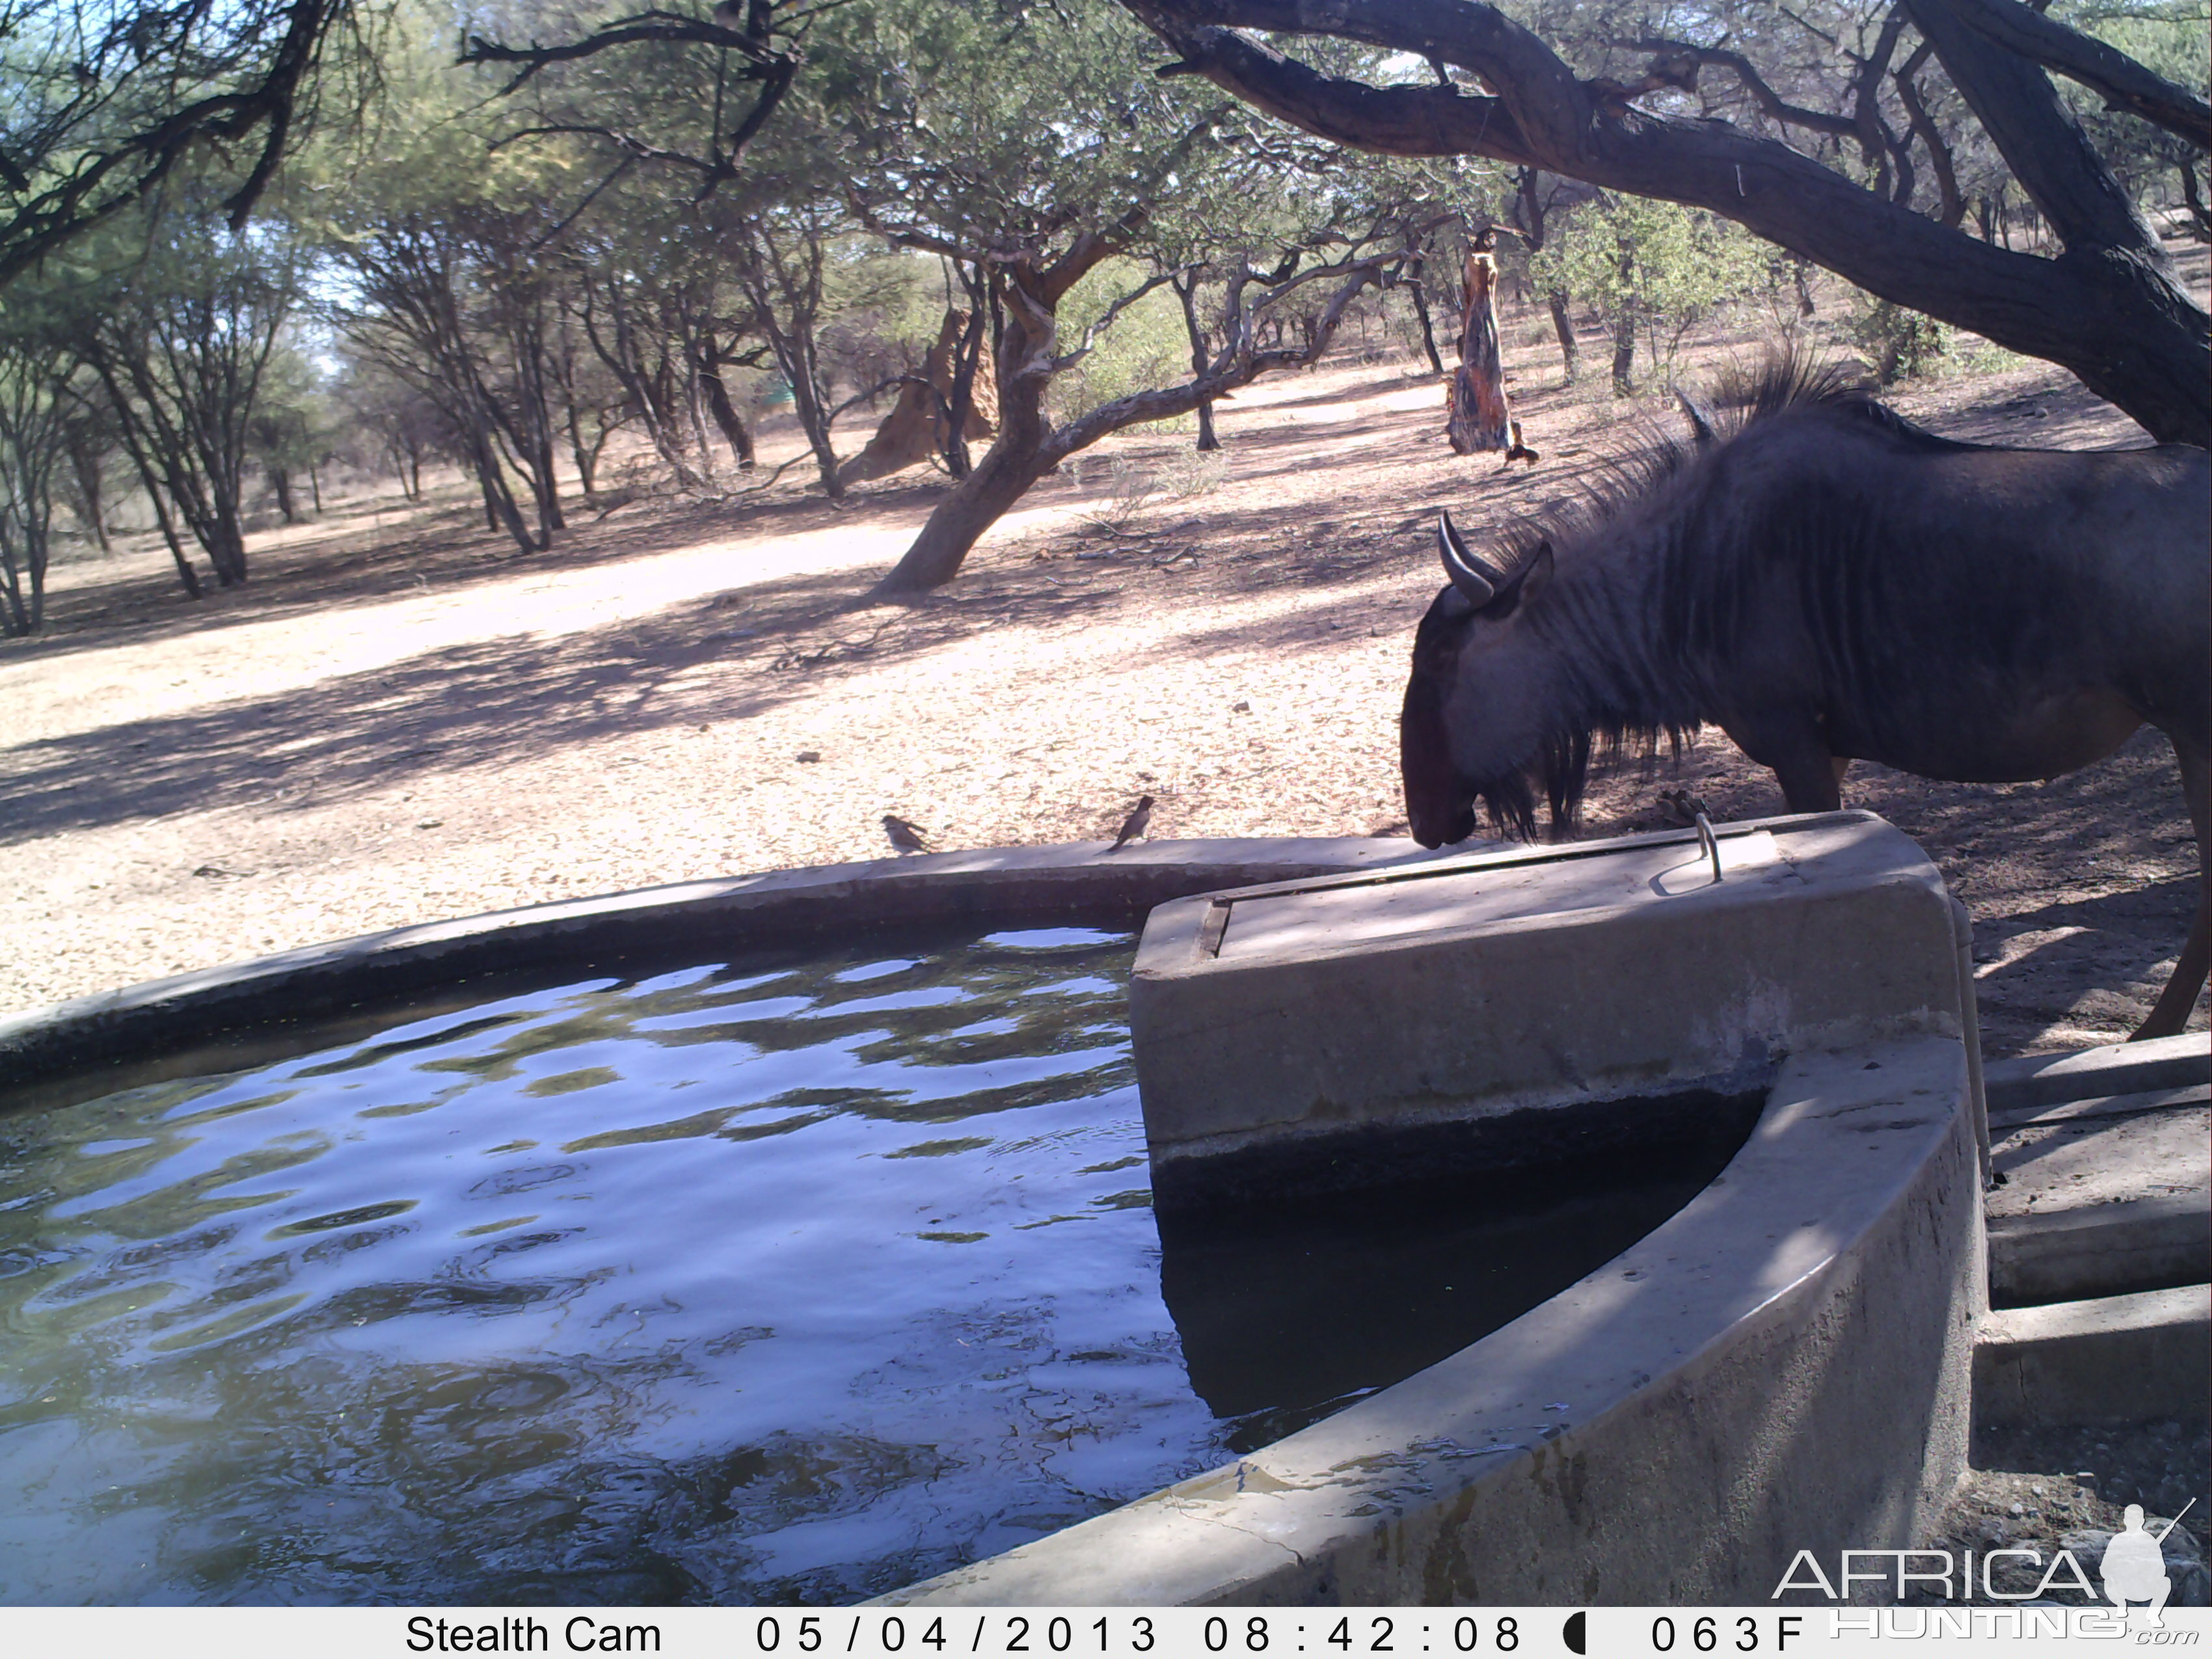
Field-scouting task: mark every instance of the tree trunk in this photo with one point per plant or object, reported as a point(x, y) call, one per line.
point(1563, 325)
point(1008, 468)
point(1623, 352)
point(724, 411)
point(502, 511)
point(84, 462)
point(795, 356)
point(974, 383)
point(587, 460)
point(185, 574)
point(281, 481)
point(1187, 291)
point(1428, 330)
point(998, 481)
point(1011, 464)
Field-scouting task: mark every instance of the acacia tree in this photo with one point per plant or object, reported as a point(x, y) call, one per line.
point(2107, 305)
point(1037, 153)
point(36, 404)
point(780, 253)
point(413, 277)
point(107, 102)
point(180, 340)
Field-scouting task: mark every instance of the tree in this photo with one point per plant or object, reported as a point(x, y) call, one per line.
point(1038, 153)
point(286, 433)
point(2107, 305)
point(36, 402)
point(106, 103)
point(1652, 269)
point(180, 339)
point(414, 278)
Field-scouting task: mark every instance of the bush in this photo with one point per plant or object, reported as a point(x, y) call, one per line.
point(1651, 266)
point(1904, 344)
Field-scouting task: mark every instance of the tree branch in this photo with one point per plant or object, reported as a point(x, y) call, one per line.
point(2036, 134)
point(2116, 319)
point(1735, 63)
point(2106, 70)
point(624, 32)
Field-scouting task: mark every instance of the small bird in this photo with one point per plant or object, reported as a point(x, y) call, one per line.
point(1681, 807)
point(907, 837)
point(1134, 824)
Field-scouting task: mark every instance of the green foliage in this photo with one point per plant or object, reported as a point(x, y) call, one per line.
point(1653, 267)
point(1144, 346)
point(2167, 37)
point(1904, 344)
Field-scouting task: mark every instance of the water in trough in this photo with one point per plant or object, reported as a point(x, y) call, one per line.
point(792, 1279)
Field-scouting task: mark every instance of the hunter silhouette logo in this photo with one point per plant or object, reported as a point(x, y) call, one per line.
point(2133, 1567)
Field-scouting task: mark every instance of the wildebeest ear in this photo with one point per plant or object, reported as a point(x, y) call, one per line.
point(1524, 583)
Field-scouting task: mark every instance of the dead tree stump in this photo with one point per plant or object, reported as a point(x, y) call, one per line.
point(1480, 420)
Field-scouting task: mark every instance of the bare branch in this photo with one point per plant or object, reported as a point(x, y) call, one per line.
point(1683, 53)
point(1091, 334)
point(624, 32)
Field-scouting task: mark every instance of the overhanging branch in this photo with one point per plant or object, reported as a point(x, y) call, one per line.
point(2106, 70)
point(2110, 310)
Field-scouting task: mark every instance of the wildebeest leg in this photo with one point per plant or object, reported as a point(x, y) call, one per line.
point(2179, 999)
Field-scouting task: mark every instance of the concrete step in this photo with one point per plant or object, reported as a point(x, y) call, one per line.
point(2145, 1243)
point(2103, 1191)
point(2116, 1069)
point(2111, 1359)
point(2102, 1106)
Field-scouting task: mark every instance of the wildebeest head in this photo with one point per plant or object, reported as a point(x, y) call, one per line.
point(1473, 725)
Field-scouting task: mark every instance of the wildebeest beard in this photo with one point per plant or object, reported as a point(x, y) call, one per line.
point(1561, 768)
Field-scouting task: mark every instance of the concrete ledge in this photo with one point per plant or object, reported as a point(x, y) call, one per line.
point(219, 1019)
point(1783, 1365)
point(2118, 1068)
point(1520, 1005)
point(2144, 1243)
point(2117, 1359)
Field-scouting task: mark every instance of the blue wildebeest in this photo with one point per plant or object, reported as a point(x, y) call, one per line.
point(1825, 581)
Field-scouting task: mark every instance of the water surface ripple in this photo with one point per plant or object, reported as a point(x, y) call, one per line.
point(786, 1280)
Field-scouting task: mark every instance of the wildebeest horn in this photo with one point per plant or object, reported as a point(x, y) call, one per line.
point(1480, 582)
point(1701, 422)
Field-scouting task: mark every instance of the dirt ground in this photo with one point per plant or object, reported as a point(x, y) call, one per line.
point(400, 719)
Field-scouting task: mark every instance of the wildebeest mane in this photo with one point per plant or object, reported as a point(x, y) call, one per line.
point(1624, 700)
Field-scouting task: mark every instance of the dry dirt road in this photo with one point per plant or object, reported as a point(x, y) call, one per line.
point(398, 720)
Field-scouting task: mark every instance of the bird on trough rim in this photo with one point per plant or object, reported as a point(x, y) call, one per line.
point(1135, 824)
point(1679, 806)
point(907, 837)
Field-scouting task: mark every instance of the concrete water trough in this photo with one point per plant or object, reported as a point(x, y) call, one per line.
point(1781, 1365)
point(1784, 1365)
